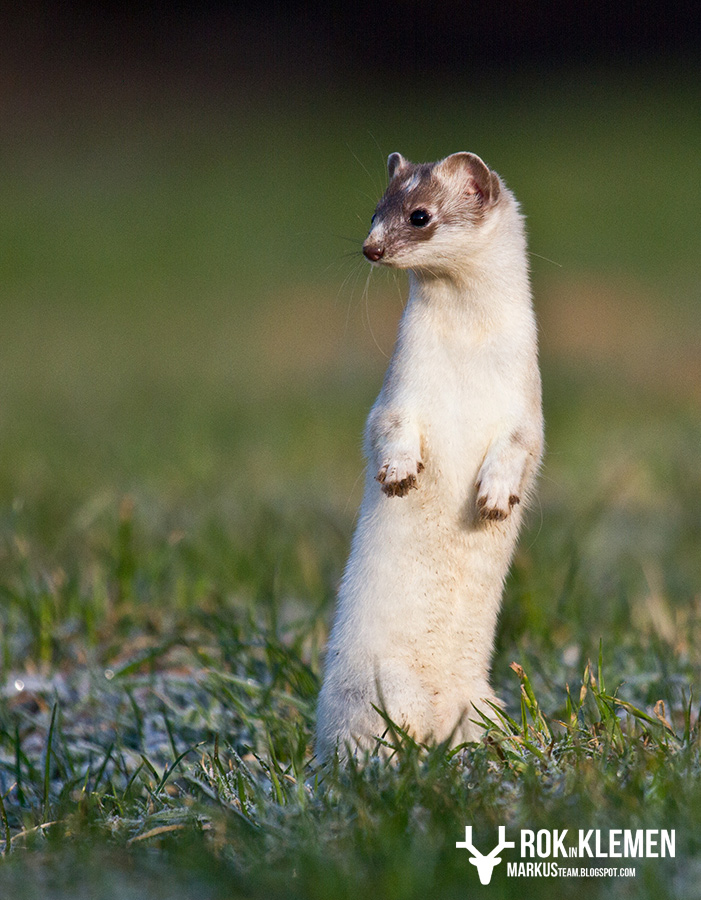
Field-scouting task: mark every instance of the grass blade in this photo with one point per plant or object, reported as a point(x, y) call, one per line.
point(6, 827)
point(47, 762)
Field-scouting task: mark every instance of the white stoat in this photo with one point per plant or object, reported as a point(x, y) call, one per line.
point(453, 444)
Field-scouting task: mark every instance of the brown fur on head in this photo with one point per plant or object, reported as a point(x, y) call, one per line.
point(421, 197)
point(475, 177)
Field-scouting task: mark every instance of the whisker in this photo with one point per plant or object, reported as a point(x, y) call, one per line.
point(357, 271)
point(400, 296)
point(559, 265)
point(382, 153)
point(367, 311)
point(340, 260)
point(354, 270)
point(362, 165)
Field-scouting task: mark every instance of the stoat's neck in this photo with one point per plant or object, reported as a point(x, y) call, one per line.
point(486, 285)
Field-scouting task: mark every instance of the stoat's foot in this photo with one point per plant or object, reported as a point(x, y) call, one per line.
point(399, 475)
point(495, 499)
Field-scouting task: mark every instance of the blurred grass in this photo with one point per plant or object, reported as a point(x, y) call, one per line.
point(190, 345)
point(174, 274)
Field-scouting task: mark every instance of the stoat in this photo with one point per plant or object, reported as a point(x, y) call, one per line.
point(453, 444)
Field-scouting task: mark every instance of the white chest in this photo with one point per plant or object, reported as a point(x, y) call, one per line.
point(462, 390)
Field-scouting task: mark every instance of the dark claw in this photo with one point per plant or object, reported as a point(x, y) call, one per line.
point(400, 488)
point(493, 515)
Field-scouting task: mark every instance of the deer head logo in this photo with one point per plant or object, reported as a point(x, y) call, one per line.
point(485, 863)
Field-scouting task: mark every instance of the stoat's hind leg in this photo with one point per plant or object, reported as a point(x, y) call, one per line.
point(349, 718)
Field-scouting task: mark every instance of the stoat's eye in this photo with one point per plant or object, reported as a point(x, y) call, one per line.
point(419, 218)
point(372, 221)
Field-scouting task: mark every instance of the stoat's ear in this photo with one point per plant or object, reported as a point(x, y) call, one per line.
point(474, 174)
point(395, 162)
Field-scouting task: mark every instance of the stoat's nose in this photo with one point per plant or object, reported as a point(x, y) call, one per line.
point(373, 252)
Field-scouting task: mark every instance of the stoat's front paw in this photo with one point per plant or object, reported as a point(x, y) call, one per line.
point(495, 498)
point(399, 475)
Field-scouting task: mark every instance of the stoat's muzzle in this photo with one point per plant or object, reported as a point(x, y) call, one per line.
point(373, 251)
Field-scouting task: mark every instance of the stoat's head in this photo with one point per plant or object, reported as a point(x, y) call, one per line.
point(432, 214)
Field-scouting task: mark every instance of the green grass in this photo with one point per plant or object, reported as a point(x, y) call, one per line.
point(187, 359)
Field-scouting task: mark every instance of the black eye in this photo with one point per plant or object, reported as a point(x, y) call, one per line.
point(419, 218)
point(372, 221)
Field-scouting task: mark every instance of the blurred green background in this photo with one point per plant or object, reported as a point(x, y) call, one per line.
point(184, 307)
point(190, 339)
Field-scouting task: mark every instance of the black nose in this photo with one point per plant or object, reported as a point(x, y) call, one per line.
point(373, 252)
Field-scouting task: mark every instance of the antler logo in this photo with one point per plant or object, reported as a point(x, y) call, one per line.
point(485, 863)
